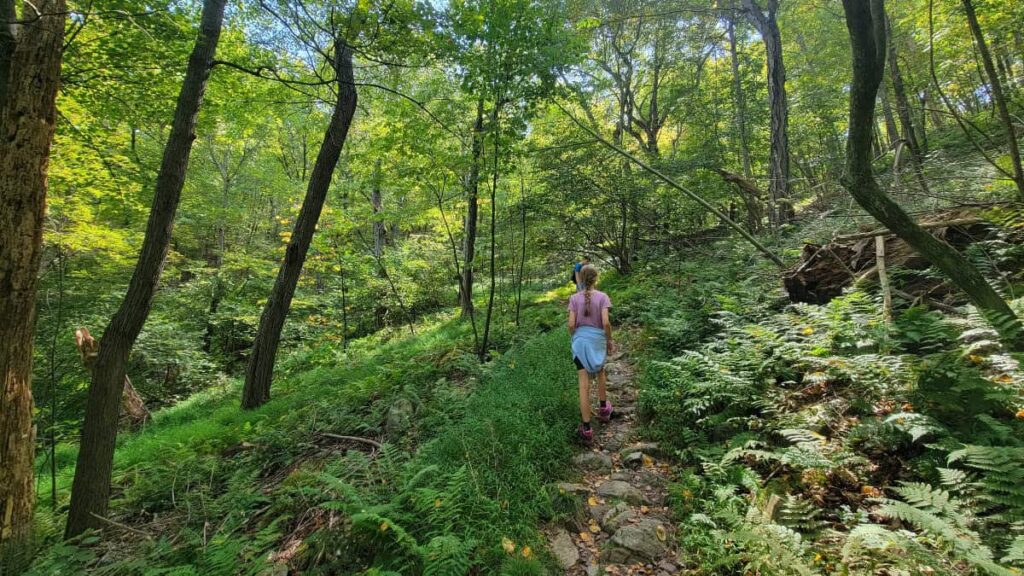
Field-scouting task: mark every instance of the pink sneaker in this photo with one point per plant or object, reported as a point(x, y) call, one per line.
point(604, 413)
point(586, 436)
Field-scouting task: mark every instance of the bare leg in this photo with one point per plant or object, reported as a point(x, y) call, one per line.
point(602, 385)
point(584, 395)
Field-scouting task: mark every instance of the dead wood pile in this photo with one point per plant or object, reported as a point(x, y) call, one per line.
point(824, 271)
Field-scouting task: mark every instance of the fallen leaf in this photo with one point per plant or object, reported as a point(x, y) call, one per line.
point(594, 526)
point(648, 462)
point(592, 501)
point(660, 532)
point(644, 509)
point(527, 552)
point(508, 545)
point(585, 536)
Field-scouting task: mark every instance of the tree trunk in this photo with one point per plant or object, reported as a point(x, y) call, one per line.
point(891, 131)
point(997, 96)
point(494, 209)
point(27, 118)
point(739, 101)
point(259, 372)
point(134, 409)
point(376, 204)
point(903, 111)
point(472, 187)
point(902, 102)
point(90, 490)
point(767, 25)
point(8, 42)
point(866, 23)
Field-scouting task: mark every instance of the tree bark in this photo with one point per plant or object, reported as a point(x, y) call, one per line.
point(8, 41)
point(90, 490)
point(767, 25)
point(472, 186)
point(866, 24)
point(27, 118)
point(998, 96)
point(131, 403)
point(891, 131)
point(496, 132)
point(903, 112)
point(739, 101)
point(259, 372)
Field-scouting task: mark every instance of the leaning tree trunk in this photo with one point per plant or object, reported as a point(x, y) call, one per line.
point(997, 96)
point(27, 118)
point(472, 187)
point(90, 490)
point(260, 370)
point(866, 23)
point(767, 25)
point(903, 112)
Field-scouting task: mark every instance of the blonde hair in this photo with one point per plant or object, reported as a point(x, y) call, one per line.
point(588, 274)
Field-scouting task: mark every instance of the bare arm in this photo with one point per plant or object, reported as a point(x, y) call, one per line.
point(607, 329)
point(572, 322)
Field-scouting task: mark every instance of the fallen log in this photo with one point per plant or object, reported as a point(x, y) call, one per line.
point(132, 407)
point(825, 270)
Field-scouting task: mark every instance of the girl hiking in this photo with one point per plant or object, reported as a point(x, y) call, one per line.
point(591, 334)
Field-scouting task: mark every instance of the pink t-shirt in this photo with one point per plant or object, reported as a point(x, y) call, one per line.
point(598, 302)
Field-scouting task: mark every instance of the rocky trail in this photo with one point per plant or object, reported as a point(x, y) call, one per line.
point(624, 527)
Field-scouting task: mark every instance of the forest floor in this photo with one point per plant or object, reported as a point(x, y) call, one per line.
point(625, 528)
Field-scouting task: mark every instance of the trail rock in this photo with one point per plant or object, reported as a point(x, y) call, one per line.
point(563, 549)
point(617, 441)
point(598, 511)
point(634, 460)
point(570, 488)
point(636, 541)
point(622, 476)
point(618, 516)
point(622, 491)
point(593, 461)
point(399, 417)
point(642, 447)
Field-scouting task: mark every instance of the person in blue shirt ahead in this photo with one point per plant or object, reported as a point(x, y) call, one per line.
point(585, 261)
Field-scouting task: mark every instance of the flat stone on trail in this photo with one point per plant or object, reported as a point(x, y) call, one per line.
point(623, 476)
point(644, 447)
point(618, 516)
point(634, 460)
point(636, 541)
point(570, 488)
point(622, 491)
point(593, 461)
point(563, 549)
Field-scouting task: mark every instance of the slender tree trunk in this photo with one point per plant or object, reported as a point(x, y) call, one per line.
point(903, 112)
point(494, 209)
point(376, 203)
point(767, 25)
point(31, 67)
point(740, 102)
point(866, 23)
point(90, 490)
point(472, 187)
point(891, 131)
point(260, 370)
point(902, 101)
point(522, 257)
point(997, 96)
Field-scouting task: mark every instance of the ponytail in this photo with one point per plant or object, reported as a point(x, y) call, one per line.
point(588, 274)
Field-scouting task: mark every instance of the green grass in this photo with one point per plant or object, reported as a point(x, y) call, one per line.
point(227, 487)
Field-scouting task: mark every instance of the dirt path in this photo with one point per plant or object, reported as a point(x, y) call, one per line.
point(624, 527)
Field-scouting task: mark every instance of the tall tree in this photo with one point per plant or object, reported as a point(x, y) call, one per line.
point(866, 23)
point(998, 96)
point(30, 64)
point(765, 20)
point(909, 135)
point(260, 370)
point(90, 490)
point(471, 187)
